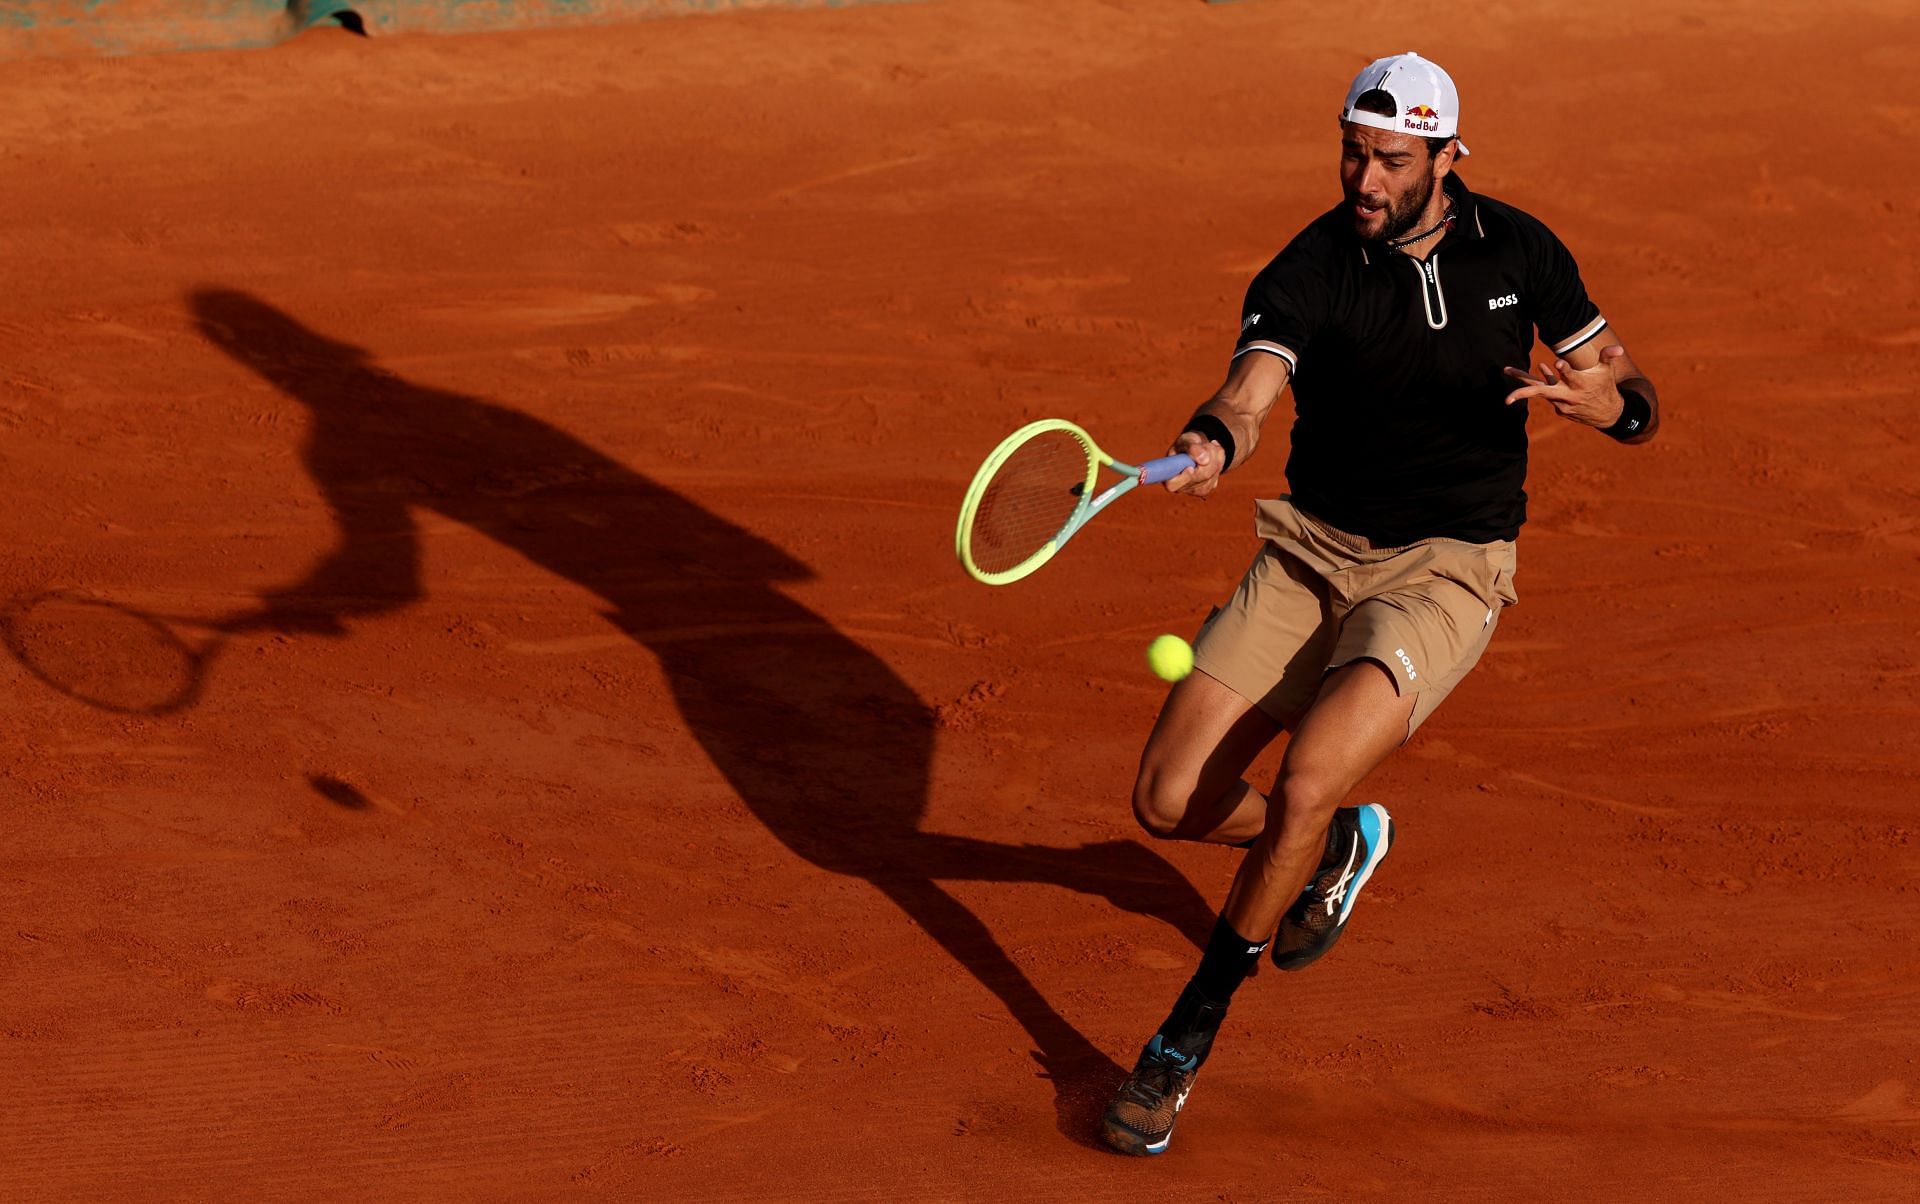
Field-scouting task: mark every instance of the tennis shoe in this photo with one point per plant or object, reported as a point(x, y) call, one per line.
point(1140, 1119)
point(1357, 841)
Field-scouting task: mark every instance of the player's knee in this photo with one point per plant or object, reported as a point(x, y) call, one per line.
point(1307, 798)
point(1159, 801)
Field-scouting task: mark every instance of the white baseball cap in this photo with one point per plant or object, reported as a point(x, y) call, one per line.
point(1429, 104)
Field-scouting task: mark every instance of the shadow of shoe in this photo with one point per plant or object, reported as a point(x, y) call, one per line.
point(1082, 1087)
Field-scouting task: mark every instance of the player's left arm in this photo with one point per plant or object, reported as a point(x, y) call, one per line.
point(1596, 384)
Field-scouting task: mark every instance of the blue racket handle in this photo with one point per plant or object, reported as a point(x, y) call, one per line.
point(1164, 469)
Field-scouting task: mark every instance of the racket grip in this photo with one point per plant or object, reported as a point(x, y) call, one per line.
point(1164, 469)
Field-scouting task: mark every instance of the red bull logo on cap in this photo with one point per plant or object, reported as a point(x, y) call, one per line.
point(1422, 118)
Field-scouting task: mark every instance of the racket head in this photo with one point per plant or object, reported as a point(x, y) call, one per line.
point(1025, 500)
point(101, 653)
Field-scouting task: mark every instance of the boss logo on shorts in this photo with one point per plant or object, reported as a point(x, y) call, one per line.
point(1502, 302)
point(1408, 662)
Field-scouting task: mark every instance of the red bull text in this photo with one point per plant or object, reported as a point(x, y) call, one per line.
point(1422, 118)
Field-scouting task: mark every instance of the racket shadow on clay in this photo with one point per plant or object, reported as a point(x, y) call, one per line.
point(112, 656)
point(827, 746)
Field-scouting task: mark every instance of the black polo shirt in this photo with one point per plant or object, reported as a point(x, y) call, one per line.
point(1401, 431)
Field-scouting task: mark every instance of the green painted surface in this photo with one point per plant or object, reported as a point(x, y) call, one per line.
point(37, 28)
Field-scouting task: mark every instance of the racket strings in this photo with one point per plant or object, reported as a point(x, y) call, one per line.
point(1030, 498)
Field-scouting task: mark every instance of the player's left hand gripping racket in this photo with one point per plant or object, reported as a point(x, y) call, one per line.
point(1035, 492)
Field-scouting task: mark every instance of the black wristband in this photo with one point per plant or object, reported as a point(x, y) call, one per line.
point(1214, 429)
point(1634, 416)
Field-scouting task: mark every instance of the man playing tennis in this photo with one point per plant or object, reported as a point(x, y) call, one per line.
point(1397, 317)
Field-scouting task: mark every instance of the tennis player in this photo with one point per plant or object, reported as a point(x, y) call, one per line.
point(1402, 318)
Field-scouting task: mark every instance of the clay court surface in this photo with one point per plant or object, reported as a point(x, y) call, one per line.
point(629, 797)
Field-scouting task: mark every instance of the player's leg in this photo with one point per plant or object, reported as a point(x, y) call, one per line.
point(1191, 783)
point(1433, 615)
point(1359, 718)
point(1257, 663)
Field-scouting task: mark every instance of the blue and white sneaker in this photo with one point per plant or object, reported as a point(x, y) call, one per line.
point(1140, 1118)
point(1357, 842)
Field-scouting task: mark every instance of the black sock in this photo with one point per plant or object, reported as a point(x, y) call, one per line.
point(1228, 960)
point(1191, 1025)
point(1197, 1014)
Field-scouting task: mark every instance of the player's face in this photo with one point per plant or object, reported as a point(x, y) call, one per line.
point(1388, 178)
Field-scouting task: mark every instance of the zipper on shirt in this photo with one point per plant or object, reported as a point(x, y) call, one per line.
point(1430, 293)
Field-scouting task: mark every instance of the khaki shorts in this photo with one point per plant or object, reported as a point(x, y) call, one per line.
point(1317, 598)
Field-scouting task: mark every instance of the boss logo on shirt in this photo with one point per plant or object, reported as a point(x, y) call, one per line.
point(1500, 302)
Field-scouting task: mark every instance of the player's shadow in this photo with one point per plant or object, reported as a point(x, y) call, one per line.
point(822, 740)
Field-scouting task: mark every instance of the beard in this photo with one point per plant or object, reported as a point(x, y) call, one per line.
point(1404, 213)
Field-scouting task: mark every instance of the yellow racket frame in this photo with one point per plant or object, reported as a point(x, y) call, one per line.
point(1131, 476)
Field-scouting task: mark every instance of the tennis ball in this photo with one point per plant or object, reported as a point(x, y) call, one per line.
point(1170, 657)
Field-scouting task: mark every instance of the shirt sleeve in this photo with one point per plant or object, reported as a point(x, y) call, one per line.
point(1285, 307)
point(1562, 312)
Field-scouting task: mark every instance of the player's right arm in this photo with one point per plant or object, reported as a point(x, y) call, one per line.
point(1254, 382)
point(1286, 305)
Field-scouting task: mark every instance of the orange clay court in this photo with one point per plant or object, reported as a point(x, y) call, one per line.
point(633, 800)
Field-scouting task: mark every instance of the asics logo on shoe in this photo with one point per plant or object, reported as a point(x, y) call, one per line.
point(1339, 891)
point(1180, 1101)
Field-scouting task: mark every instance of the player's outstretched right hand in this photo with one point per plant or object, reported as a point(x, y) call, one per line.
point(1204, 476)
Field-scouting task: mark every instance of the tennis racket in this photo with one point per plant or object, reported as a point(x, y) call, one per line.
point(1035, 492)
